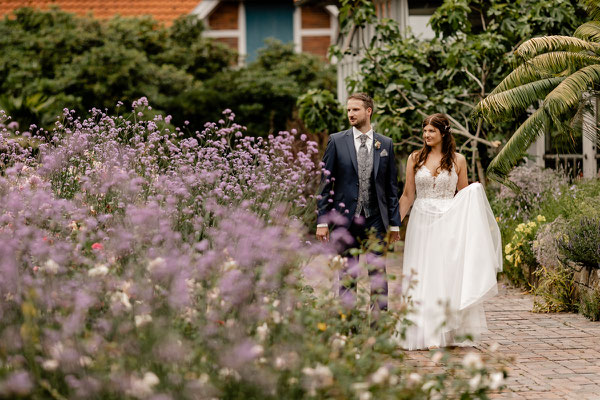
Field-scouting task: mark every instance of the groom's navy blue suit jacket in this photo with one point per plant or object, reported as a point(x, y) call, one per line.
point(341, 161)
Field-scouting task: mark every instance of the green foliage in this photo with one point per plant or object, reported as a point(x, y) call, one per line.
point(563, 206)
point(53, 60)
point(410, 78)
point(552, 73)
point(522, 264)
point(555, 290)
point(263, 95)
point(589, 305)
point(80, 63)
point(581, 242)
point(320, 111)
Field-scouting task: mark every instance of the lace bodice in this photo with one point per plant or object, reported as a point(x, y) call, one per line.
point(442, 186)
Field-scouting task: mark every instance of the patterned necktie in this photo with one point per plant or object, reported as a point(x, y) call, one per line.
point(365, 166)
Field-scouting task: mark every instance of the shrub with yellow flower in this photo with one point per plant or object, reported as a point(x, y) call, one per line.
point(520, 259)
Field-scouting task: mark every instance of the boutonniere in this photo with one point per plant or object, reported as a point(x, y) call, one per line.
point(377, 144)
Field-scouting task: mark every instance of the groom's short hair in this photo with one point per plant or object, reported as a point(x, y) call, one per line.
point(365, 98)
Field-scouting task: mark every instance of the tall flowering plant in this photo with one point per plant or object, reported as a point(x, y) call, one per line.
point(135, 263)
point(519, 252)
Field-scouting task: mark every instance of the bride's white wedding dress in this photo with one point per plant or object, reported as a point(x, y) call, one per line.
point(453, 250)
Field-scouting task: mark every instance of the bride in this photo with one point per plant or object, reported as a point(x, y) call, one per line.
point(452, 247)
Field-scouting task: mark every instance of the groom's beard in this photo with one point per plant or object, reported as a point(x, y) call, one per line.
point(359, 123)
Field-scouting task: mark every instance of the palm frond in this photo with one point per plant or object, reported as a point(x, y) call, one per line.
point(515, 148)
point(568, 94)
point(593, 9)
point(546, 65)
point(544, 44)
point(589, 31)
point(516, 99)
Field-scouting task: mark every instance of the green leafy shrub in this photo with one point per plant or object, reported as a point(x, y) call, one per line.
point(53, 60)
point(545, 245)
point(521, 259)
point(555, 290)
point(321, 112)
point(581, 242)
point(589, 305)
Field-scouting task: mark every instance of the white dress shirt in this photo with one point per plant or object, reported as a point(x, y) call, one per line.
point(369, 144)
point(357, 135)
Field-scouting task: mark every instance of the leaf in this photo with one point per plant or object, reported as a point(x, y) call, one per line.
point(589, 31)
point(544, 44)
point(516, 99)
point(568, 94)
point(545, 66)
point(515, 148)
point(593, 9)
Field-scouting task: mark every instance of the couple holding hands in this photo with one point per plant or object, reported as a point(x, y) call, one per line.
point(452, 247)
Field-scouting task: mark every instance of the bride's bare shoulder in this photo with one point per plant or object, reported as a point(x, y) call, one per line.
point(414, 156)
point(460, 160)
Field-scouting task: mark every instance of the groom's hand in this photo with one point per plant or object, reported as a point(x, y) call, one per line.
point(323, 234)
point(393, 237)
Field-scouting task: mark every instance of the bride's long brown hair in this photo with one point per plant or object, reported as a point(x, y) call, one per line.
point(441, 122)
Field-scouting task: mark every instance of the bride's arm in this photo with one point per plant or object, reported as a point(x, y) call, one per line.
point(463, 179)
point(408, 195)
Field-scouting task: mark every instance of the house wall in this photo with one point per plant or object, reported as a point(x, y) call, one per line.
point(314, 27)
point(224, 16)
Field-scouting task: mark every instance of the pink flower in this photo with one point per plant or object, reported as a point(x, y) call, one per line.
point(97, 246)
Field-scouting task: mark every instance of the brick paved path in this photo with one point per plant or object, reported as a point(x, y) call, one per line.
point(550, 356)
point(556, 356)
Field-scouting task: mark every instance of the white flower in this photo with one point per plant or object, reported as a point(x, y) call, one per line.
point(474, 382)
point(142, 319)
point(98, 270)
point(157, 262)
point(85, 361)
point(143, 388)
point(229, 265)
point(414, 378)
point(496, 380)
point(50, 365)
point(121, 297)
point(280, 363)
point(380, 376)
point(365, 396)
point(257, 350)
point(228, 372)
point(472, 360)
point(338, 342)
point(51, 266)
point(317, 378)
point(437, 357)
point(276, 317)
point(494, 347)
point(204, 378)
point(262, 331)
point(359, 387)
point(56, 350)
point(213, 293)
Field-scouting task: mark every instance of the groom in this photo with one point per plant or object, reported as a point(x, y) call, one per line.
point(362, 187)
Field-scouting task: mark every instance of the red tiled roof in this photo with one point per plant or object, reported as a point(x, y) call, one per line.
point(162, 10)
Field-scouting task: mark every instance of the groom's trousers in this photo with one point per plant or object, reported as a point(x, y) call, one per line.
point(355, 237)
